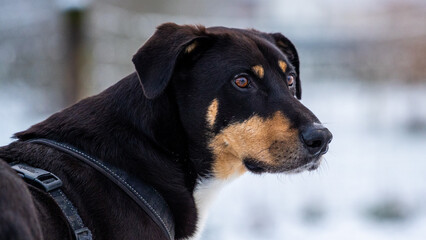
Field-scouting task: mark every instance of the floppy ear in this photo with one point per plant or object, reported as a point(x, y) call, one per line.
point(155, 61)
point(289, 50)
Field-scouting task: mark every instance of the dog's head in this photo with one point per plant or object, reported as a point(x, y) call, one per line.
point(237, 93)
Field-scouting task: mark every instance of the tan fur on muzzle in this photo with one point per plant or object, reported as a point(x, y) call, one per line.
point(266, 140)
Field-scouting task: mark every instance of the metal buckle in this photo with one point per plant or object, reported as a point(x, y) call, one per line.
point(43, 178)
point(83, 234)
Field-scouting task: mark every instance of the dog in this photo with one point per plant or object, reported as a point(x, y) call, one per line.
point(205, 106)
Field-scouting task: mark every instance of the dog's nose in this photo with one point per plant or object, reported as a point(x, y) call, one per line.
point(316, 139)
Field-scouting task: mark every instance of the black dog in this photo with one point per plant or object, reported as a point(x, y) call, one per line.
point(214, 103)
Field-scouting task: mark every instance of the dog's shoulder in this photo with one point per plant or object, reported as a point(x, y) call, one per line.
point(27, 212)
point(18, 218)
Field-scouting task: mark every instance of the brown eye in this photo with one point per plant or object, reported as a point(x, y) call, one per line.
point(242, 82)
point(290, 80)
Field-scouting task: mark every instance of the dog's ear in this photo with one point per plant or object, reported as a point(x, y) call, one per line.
point(155, 61)
point(287, 47)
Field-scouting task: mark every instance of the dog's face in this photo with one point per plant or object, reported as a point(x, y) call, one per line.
point(238, 96)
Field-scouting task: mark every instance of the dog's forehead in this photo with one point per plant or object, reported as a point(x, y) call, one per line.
point(254, 47)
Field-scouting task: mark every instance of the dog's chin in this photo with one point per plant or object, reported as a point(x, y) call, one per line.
point(259, 167)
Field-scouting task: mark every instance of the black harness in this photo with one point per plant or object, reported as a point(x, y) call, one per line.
point(143, 194)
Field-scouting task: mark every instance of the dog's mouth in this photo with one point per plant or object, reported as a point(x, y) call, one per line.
point(258, 167)
point(313, 164)
point(254, 166)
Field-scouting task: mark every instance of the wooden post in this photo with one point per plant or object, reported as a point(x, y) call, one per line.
point(74, 54)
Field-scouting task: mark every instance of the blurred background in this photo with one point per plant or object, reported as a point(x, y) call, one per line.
point(363, 70)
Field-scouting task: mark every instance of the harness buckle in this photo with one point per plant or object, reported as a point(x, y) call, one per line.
point(47, 180)
point(83, 234)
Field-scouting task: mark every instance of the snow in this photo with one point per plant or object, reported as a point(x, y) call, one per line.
point(20, 107)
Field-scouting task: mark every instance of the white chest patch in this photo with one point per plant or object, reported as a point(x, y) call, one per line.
point(205, 193)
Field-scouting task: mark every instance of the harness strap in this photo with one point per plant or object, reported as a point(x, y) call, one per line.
point(143, 194)
point(50, 183)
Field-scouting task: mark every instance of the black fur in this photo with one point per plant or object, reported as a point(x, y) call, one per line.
point(158, 134)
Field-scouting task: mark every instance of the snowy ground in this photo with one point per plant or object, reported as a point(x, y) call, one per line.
point(372, 185)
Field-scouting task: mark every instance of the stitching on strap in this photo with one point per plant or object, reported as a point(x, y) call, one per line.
point(79, 221)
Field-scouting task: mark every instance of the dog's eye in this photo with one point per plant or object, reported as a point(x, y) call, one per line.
point(242, 82)
point(290, 80)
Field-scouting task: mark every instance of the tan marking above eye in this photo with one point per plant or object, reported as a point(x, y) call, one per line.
point(191, 47)
point(250, 139)
point(282, 65)
point(259, 71)
point(212, 112)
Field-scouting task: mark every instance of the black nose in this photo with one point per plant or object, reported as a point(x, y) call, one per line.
point(316, 139)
